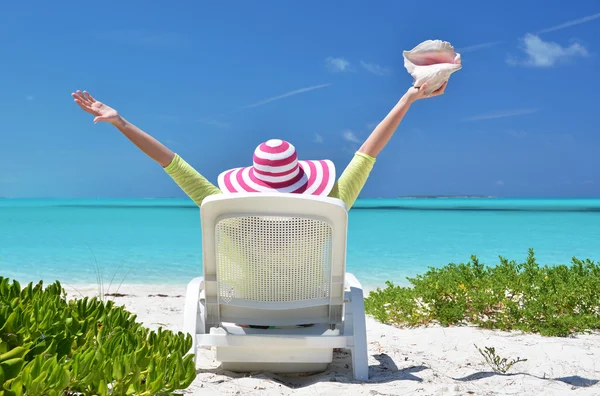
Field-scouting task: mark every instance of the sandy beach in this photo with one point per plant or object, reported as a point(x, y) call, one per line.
point(420, 361)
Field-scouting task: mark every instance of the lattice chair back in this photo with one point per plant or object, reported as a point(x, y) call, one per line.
point(274, 259)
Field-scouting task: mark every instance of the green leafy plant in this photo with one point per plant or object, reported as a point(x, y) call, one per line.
point(550, 300)
point(51, 346)
point(498, 364)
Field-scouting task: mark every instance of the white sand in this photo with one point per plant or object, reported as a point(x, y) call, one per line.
point(421, 361)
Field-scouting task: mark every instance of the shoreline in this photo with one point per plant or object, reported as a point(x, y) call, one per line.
point(431, 360)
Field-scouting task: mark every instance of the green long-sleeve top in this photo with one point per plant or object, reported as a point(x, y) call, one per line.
point(347, 188)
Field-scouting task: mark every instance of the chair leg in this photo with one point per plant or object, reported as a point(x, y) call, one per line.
point(360, 356)
point(193, 323)
point(194, 348)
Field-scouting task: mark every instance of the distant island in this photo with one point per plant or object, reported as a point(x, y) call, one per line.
point(443, 196)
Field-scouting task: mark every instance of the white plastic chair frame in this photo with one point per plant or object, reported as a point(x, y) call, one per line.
point(272, 259)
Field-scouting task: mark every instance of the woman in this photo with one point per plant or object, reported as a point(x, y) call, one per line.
point(275, 164)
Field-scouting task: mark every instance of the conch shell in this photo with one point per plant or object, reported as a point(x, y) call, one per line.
point(431, 62)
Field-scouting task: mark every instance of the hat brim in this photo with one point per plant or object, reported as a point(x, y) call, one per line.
point(317, 178)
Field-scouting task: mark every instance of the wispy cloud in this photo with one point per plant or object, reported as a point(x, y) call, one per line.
point(540, 53)
point(285, 95)
point(318, 138)
point(501, 114)
point(350, 136)
point(563, 25)
point(478, 47)
point(567, 24)
point(29, 97)
point(337, 65)
point(140, 37)
point(213, 120)
point(499, 182)
point(588, 182)
point(376, 69)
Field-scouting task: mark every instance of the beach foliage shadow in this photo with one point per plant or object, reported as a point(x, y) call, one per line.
point(577, 381)
point(386, 363)
point(574, 380)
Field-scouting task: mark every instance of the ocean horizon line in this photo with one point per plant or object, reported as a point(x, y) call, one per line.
point(429, 203)
point(359, 199)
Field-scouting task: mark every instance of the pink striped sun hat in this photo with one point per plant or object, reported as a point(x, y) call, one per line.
point(276, 169)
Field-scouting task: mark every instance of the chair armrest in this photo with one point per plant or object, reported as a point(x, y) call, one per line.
point(192, 300)
point(351, 282)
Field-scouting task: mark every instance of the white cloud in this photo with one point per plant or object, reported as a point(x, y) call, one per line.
point(336, 65)
point(285, 95)
point(588, 182)
point(350, 136)
point(499, 182)
point(571, 23)
point(318, 138)
point(29, 97)
point(376, 69)
point(540, 53)
point(563, 25)
point(501, 114)
point(478, 47)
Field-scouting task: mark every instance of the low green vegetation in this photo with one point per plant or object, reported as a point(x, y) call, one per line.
point(51, 346)
point(550, 300)
point(498, 364)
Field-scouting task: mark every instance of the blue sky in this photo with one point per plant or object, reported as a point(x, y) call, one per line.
point(214, 80)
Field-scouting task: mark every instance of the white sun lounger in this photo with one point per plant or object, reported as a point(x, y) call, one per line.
point(273, 259)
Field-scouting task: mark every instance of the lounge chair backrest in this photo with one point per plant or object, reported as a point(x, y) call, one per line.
point(273, 259)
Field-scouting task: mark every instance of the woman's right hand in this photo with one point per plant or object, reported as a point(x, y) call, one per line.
point(415, 93)
point(99, 110)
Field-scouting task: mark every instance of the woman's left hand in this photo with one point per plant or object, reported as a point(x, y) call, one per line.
point(415, 93)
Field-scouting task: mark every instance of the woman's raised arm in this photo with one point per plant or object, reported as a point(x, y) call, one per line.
point(357, 172)
point(103, 113)
point(196, 186)
point(386, 128)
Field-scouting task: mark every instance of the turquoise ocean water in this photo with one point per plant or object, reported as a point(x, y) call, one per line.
point(159, 240)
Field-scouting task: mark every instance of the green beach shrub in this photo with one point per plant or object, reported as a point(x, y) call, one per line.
point(550, 300)
point(498, 364)
point(51, 346)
